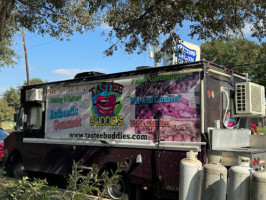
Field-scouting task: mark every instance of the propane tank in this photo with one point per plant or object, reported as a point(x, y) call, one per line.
point(190, 177)
point(214, 182)
point(258, 185)
point(239, 180)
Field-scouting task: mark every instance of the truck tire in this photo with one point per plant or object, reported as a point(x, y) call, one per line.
point(18, 170)
point(14, 166)
point(120, 190)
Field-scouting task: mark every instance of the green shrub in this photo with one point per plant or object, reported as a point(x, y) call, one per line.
point(30, 190)
point(24, 189)
point(93, 182)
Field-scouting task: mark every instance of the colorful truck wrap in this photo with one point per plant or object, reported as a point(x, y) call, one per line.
point(127, 109)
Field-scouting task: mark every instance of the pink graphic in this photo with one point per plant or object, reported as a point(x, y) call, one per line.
point(231, 123)
point(106, 105)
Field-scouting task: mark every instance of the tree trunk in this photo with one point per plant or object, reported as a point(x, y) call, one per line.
point(6, 7)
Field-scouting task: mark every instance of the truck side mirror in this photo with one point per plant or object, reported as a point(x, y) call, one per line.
point(24, 118)
point(16, 128)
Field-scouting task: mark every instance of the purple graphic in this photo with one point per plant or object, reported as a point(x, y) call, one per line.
point(183, 115)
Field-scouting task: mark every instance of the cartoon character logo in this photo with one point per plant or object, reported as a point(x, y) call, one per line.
point(106, 99)
point(106, 105)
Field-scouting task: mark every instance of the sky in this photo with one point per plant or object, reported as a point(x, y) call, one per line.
point(54, 60)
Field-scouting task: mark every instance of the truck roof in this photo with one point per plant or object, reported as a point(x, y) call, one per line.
point(141, 71)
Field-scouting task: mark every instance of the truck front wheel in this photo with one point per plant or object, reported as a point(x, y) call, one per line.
point(117, 190)
point(18, 170)
point(120, 189)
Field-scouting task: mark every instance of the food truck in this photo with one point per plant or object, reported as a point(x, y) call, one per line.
point(146, 119)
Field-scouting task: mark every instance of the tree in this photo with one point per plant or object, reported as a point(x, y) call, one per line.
point(136, 23)
point(239, 55)
point(58, 18)
point(12, 95)
point(260, 67)
point(35, 81)
point(7, 54)
point(6, 112)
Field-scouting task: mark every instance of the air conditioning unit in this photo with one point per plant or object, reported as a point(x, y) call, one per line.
point(34, 95)
point(249, 99)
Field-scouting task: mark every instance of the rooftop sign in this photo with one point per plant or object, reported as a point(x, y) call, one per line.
point(185, 52)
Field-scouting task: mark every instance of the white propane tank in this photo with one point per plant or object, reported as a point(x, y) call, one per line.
point(258, 185)
point(214, 182)
point(239, 180)
point(190, 177)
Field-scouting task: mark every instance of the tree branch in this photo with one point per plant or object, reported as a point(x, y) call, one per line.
point(36, 6)
point(149, 9)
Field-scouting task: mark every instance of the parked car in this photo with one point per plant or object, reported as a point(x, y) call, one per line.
point(3, 135)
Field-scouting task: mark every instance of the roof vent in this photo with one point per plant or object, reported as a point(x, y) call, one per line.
point(143, 67)
point(87, 74)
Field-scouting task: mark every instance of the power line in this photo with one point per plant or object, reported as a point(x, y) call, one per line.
point(34, 36)
point(44, 43)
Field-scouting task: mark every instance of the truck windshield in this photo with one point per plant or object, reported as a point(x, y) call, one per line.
point(20, 119)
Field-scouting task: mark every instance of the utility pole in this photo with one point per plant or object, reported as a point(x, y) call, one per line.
point(26, 57)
